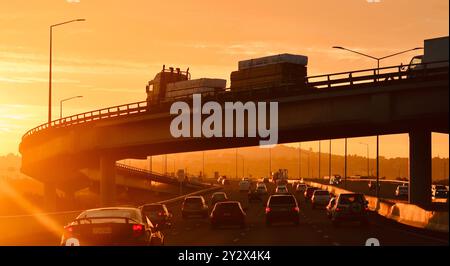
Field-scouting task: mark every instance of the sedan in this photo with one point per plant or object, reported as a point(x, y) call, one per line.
point(112, 226)
point(227, 213)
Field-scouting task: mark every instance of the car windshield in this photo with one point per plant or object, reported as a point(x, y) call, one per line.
point(351, 198)
point(282, 200)
point(111, 215)
point(227, 207)
point(440, 187)
point(405, 188)
point(321, 193)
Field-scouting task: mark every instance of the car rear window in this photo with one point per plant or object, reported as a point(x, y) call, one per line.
point(321, 193)
point(193, 201)
point(282, 200)
point(108, 213)
point(224, 207)
point(351, 198)
point(219, 196)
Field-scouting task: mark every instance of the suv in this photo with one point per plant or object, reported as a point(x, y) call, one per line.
point(309, 192)
point(194, 206)
point(281, 208)
point(348, 207)
point(228, 213)
point(320, 198)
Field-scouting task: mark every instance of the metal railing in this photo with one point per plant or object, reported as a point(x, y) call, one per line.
point(319, 82)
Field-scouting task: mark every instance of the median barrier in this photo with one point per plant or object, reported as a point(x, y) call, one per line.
point(404, 213)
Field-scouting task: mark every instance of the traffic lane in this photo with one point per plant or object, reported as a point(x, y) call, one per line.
point(387, 231)
point(197, 231)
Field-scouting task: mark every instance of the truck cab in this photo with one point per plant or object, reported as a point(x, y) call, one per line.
point(156, 88)
point(435, 57)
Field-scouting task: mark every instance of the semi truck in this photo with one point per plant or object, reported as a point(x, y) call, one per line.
point(172, 84)
point(435, 50)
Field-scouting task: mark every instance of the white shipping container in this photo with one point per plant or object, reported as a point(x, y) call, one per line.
point(273, 59)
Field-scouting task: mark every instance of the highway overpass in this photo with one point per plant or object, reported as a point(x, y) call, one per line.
point(349, 104)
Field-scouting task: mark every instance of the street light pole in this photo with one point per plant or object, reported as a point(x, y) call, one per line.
point(345, 164)
point(319, 159)
point(64, 100)
point(299, 160)
point(367, 146)
point(50, 67)
point(329, 162)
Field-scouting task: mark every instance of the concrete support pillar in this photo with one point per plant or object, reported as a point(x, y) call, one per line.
point(50, 196)
point(420, 168)
point(107, 181)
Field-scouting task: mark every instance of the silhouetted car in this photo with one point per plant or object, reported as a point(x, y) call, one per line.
point(320, 198)
point(281, 189)
point(282, 208)
point(301, 188)
point(309, 192)
point(254, 195)
point(227, 213)
point(218, 197)
point(261, 188)
point(111, 226)
point(158, 214)
point(348, 207)
point(194, 206)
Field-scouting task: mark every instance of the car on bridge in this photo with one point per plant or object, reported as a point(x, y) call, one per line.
point(282, 208)
point(218, 197)
point(348, 207)
point(158, 214)
point(121, 226)
point(194, 206)
point(228, 213)
point(320, 198)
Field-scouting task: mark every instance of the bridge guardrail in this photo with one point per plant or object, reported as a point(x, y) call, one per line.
point(315, 82)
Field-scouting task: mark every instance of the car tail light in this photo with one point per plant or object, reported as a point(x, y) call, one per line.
point(267, 210)
point(338, 209)
point(69, 231)
point(296, 209)
point(138, 229)
point(160, 214)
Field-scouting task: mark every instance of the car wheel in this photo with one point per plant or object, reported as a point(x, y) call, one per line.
point(268, 223)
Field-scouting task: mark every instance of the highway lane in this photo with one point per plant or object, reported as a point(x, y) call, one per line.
point(315, 229)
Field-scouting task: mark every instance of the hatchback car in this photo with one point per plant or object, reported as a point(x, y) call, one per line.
point(282, 208)
point(227, 213)
point(194, 206)
point(320, 198)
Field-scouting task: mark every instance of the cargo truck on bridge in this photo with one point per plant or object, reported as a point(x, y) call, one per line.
point(283, 70)
point(435, 50)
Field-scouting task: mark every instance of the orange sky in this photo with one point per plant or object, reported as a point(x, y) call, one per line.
point(109, 58)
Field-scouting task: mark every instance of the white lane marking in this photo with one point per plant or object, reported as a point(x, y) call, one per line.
point(243, 234)
point(319, 231)
point(235, 240)
point(336, 244)
point(325, 236)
